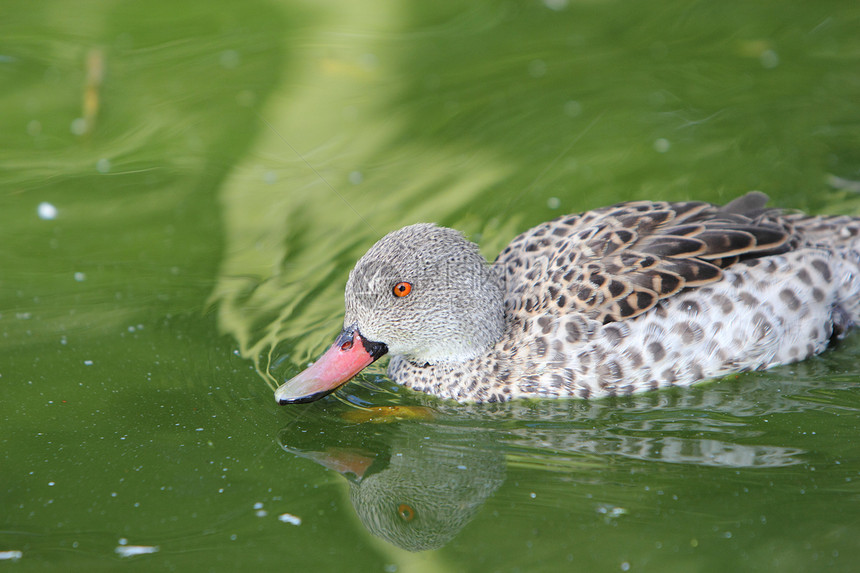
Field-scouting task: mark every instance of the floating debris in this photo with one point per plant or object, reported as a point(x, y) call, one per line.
point(92, 91)
point(133, 550)
point(610, 512)
point(290, 518)
point(46, 211)
point(10, 555)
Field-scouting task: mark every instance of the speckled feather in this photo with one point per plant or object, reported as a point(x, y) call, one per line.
point(627, 298)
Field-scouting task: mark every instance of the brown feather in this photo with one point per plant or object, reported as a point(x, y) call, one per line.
point(620, 261)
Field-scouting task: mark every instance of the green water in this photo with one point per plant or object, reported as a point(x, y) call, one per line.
point(177, 231)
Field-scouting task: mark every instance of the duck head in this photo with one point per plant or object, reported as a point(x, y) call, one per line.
point(424, 292)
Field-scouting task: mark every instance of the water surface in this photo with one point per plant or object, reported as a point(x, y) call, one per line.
point(184, 190)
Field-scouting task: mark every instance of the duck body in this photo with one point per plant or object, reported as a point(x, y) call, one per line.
point(637, 296)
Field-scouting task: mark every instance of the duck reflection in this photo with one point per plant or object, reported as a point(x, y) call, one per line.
point(416, 486)
point(419, 474)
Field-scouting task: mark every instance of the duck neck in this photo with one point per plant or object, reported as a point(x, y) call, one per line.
point(479, 325)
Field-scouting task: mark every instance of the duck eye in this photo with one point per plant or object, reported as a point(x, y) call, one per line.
point(402, 289)
point(405, 512)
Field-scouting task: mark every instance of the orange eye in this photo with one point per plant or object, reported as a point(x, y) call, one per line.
point(406, 512)
point(402, 289)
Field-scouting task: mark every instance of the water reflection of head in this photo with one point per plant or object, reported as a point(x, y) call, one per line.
point(416, 488)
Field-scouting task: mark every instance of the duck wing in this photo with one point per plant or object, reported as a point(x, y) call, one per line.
point(617, 262)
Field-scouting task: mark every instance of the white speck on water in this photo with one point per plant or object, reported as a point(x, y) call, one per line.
point(537, 68)
point(625, 566)
point(258, 505)
point(532, 495)
point(290, 518)
point(261, 513)
point(46, 211)
point(572, 108)
point(132, 550)
point(88, 362)
point(34, 128)
point(769, 59)
point(229, 59)
point(51, 483)
point(553, 202)
point(390, 568)
point(122, 541)
point(78, 126)
point(80, 277)
point(555, 4)
point(355, 177)
point(610, 511)
point(103, 165)
point(13, 555)
point(662, 145)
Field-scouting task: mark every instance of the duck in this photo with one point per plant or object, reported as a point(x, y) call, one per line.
point(636, 296)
